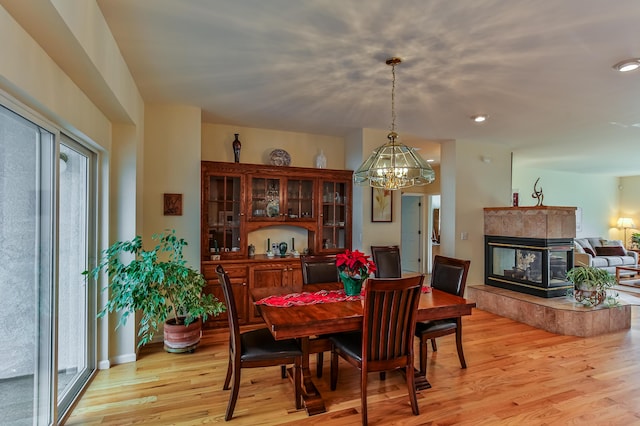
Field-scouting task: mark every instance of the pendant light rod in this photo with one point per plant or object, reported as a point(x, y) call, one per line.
point(393, 62)
point(394, 165)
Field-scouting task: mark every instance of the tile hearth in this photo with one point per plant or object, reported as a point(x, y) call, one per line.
point(560, 315)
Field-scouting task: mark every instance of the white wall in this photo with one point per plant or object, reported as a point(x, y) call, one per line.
point(597, 196)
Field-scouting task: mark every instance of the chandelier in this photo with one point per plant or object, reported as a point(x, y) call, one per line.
point(394, 165)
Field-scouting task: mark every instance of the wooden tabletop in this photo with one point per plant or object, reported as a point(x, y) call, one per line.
point(322, 318)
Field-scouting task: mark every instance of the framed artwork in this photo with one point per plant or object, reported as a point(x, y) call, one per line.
point(173, 204)
point(381, 205)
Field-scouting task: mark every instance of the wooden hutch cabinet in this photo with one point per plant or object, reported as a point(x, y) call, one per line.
point(238, 199)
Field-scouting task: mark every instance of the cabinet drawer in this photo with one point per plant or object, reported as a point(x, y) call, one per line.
point(209, 271)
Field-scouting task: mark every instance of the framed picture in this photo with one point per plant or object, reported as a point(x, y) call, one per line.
point(173, 204)
point(381, 205)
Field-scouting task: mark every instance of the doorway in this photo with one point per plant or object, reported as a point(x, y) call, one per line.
point(411, 234)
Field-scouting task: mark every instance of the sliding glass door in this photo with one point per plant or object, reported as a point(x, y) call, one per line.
point(75, 311)
point(46, 238)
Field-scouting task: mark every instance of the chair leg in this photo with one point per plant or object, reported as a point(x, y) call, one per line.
point(411, 388)
point(383, 376)
point(423, 356)
point(235, 387)
point(463, 363)
point(434, 346)
point(283, 371)
point(228, 378)
point(334, 370)
point(363, 396)
point(297, 378)
point(319, 364)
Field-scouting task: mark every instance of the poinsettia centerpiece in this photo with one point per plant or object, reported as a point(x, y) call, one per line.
point(355, 264)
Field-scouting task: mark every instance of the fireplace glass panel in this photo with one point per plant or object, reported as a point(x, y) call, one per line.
point(534, 266)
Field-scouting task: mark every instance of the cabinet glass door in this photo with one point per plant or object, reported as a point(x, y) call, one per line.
point(224, 215)
point(334, 215)
point(265, 199)
point(300, 199)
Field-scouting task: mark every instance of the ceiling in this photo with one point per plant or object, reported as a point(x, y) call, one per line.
point(542, 70)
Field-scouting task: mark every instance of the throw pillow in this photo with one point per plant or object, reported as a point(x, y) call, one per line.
point(590, 251)
point(611, 243)
point(611, 251)
point(584, 244)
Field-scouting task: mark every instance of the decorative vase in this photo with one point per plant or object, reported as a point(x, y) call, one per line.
point(283, 249)
point(236, 149)
point(321, 160)
point(352, 286)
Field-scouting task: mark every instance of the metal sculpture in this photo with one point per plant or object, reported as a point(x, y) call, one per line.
point(537, 193)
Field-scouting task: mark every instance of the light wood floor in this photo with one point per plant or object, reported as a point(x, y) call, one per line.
point(516, 375)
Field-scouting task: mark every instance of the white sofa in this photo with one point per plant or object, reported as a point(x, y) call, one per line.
point(605, 254)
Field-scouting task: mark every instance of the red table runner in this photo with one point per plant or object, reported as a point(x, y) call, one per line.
point(307, 298)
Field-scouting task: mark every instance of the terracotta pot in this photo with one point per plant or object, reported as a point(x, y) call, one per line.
point(182, 338)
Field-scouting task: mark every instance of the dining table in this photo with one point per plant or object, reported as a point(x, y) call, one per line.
point(295, 317)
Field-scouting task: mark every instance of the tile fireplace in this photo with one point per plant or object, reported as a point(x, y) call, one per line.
point(529, 249)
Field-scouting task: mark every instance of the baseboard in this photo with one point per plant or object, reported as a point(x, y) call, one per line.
point(120, 359)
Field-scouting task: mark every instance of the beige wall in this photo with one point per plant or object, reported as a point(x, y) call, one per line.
point(86, 102)
point(431, 189)
point(468, 185)
point(257, 144)
point(172, 165)
point(376, 233)
point(629, 191)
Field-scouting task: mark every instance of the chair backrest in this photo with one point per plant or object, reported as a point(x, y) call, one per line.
point(319, 269)
point(450, 274)
point(232, 311)
point(390, 309)
point(387, 260)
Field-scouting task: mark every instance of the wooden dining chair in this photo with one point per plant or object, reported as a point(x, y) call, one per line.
point(255, 348)
point(450, 275)
point(319, 269)
point(387, 260)
point(386, 340)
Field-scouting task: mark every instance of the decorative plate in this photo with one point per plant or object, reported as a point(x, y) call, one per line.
point(279, 157)
point(273, 208)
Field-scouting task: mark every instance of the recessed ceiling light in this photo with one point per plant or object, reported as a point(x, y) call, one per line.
point(479, 118)
point(627, 65)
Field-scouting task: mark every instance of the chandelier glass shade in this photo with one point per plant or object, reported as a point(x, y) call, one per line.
point(394, 165)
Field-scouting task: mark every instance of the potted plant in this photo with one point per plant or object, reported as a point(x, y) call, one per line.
point(158, 283)
point(591, 284)
point(354, 267)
